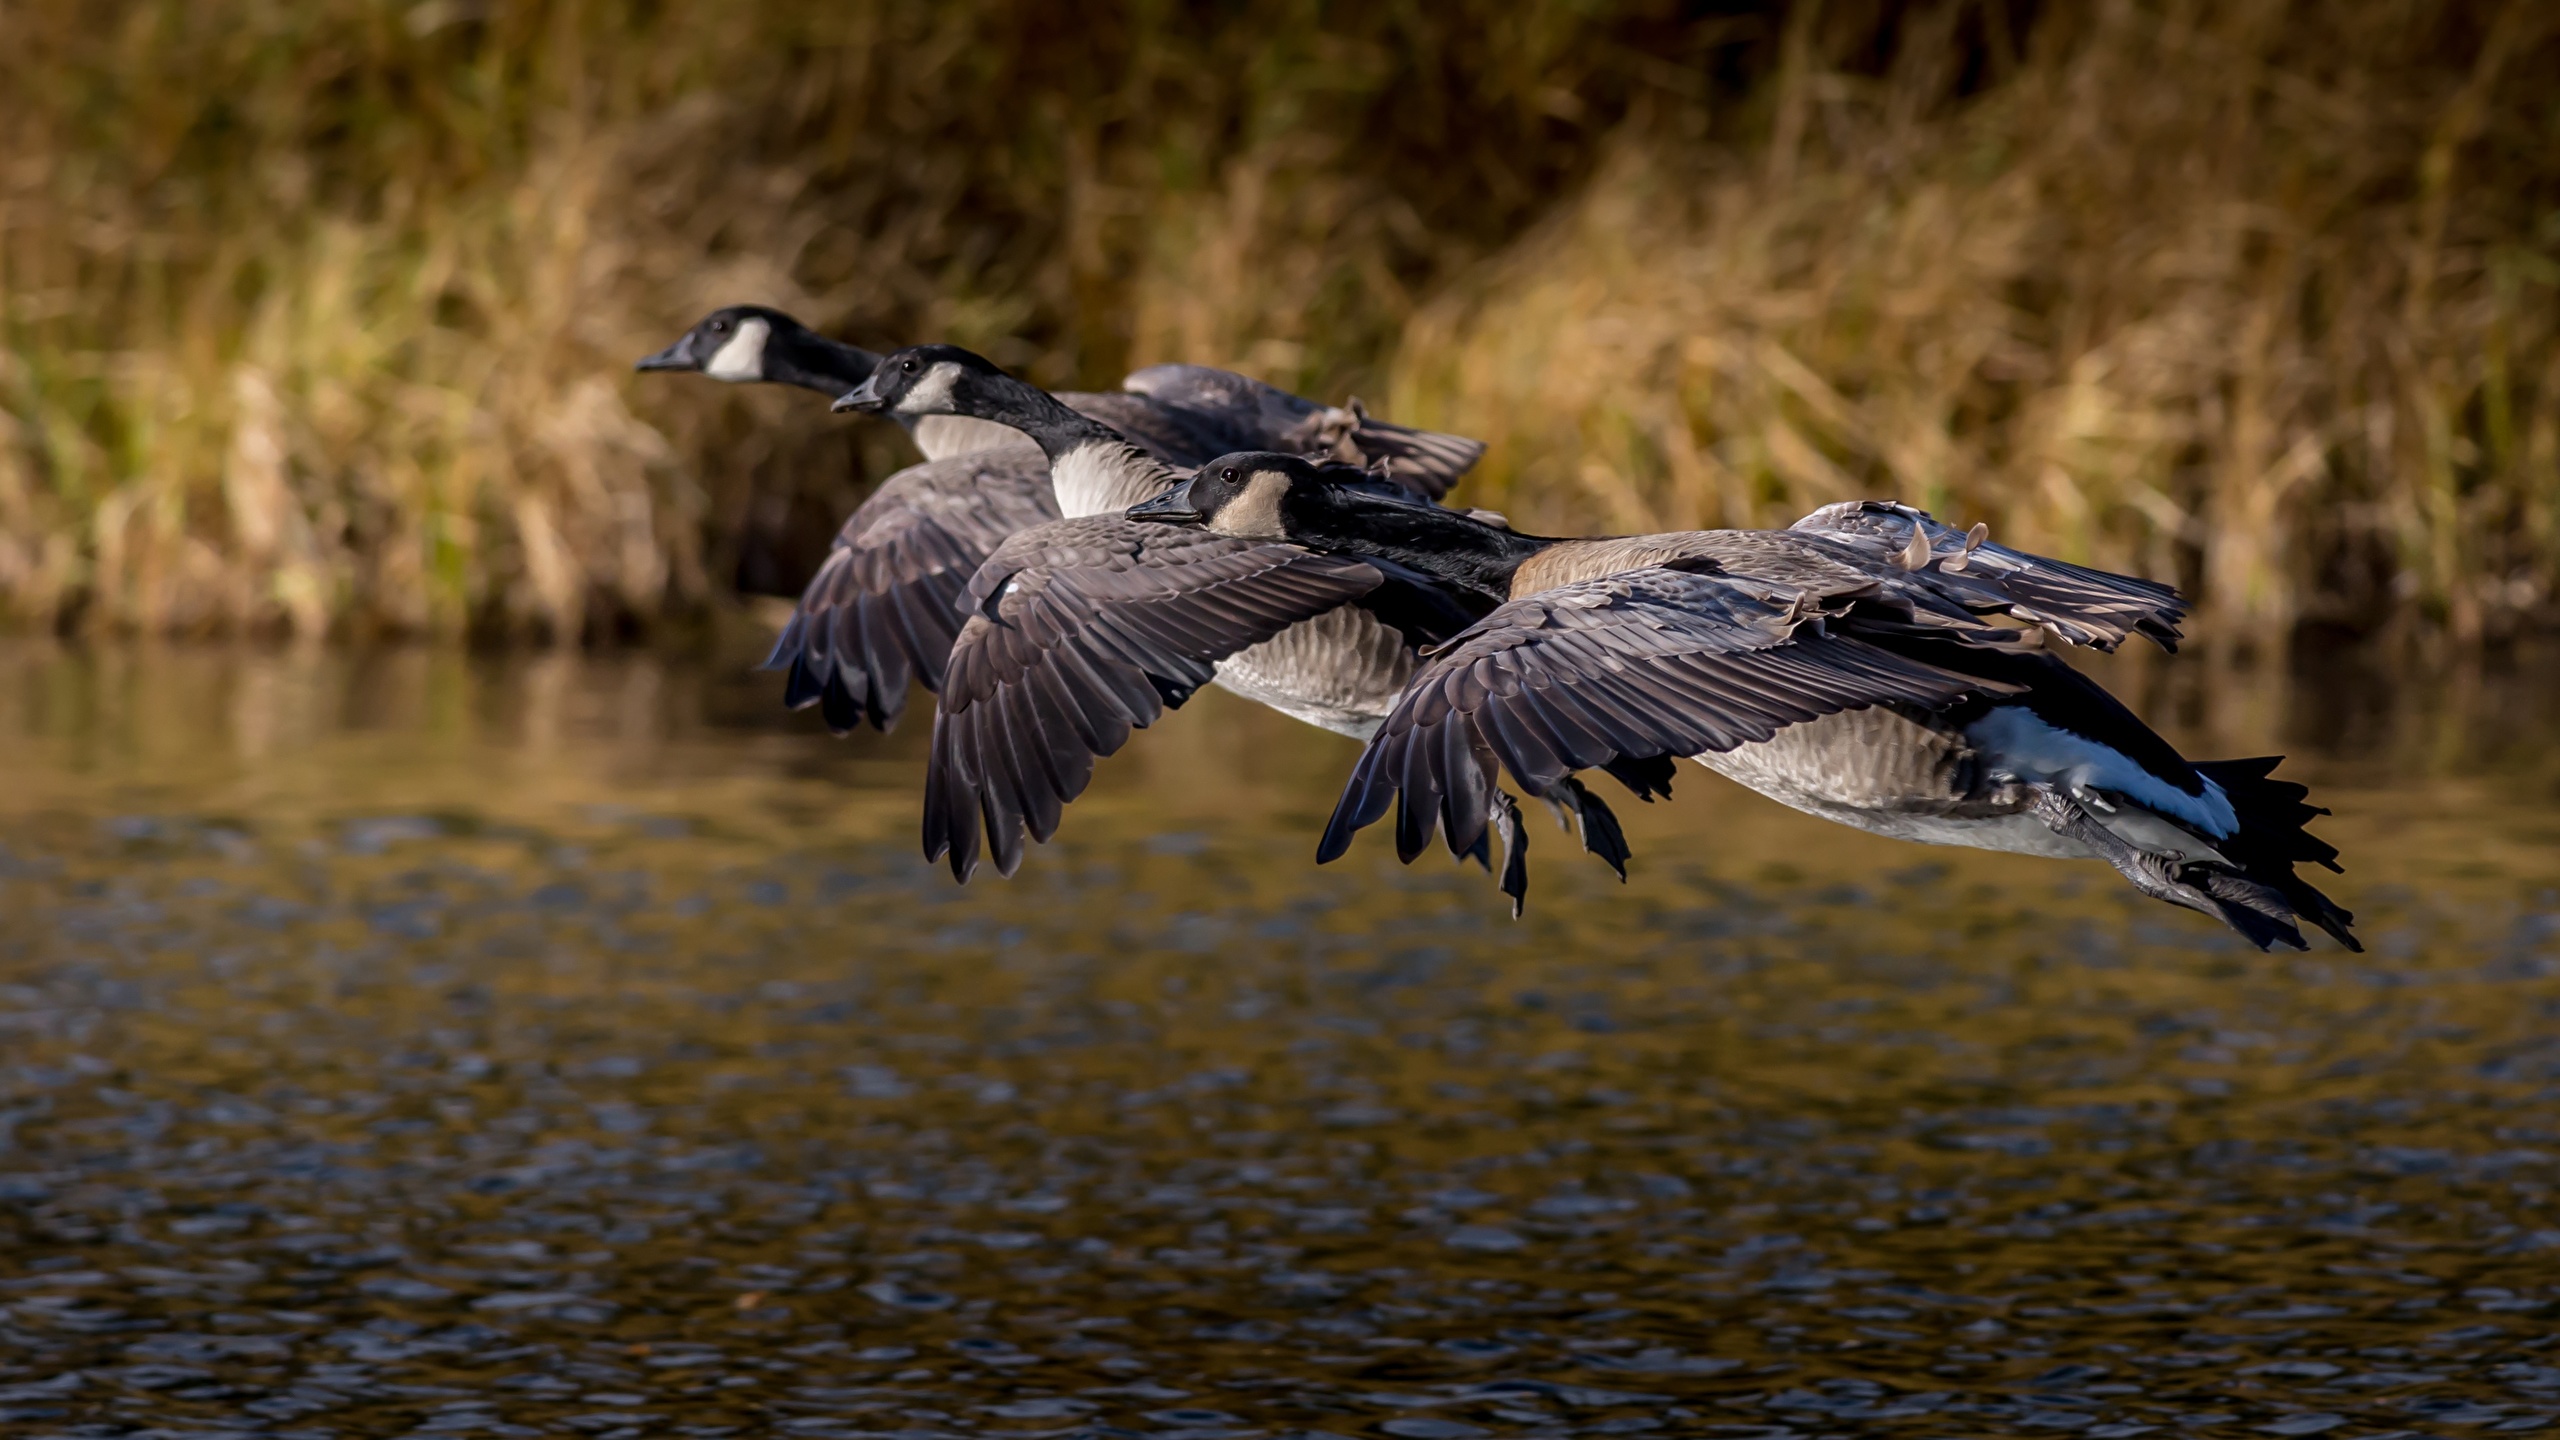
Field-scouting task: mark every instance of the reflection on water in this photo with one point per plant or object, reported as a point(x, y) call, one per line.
point(408, 1043)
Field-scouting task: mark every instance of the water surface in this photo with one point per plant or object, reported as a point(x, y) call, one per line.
point(408, 1043)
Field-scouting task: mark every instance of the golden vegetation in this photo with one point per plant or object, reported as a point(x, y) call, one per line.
point(318, 313)
point(2262, 297)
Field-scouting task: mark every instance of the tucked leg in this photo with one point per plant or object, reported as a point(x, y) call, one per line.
point(2257, 912)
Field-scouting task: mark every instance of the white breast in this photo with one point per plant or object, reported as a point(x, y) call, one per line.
point(1099, 477)
point(1340, 671)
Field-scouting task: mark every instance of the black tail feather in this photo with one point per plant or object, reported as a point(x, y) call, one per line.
point(2272, 840)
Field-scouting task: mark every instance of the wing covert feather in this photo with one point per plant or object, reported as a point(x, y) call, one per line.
point(1616, 673)
point(2073, 602)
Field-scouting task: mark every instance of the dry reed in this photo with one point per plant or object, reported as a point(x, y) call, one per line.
point(317, 313)
point(2259, 296)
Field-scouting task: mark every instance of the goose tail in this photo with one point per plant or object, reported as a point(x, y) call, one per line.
point(2272, 840)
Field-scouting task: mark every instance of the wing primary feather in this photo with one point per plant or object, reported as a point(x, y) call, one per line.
point(1418, 811)
point(958, 795)
point(1044, 784)
point(843, 710)
point(1601, 834)
point(1515, 850)
point(1644, 776)
point(802, 687)
point(999, 802)
point(786, 646)
point(1463, 802)
point(1364, 800)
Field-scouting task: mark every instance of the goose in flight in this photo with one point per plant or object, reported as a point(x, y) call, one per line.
point(1339, 668)
point(880, 613)
point(1846, 667)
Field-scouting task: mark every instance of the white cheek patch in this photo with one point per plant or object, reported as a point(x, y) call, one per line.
point(742, 358)
point(1255, 514)
point(932, 394)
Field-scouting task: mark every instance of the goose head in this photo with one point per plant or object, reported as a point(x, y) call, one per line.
point(1266, 495)
point(1338, 509)
point(931, 380)
point(729, 344)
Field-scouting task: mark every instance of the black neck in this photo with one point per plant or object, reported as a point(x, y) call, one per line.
point(813, 362)
point(1035, 412)
point(1448, 545)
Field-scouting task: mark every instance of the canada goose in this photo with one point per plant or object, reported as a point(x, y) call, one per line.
point(879, 613)
point(1837, 667)
point(743, 344)
point(1086, 629)
point(1340, 669)
point(1335, 665)
point(1083, 630)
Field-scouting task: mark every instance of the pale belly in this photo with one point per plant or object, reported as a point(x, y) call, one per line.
point(1340, 671)
point(1888, 773)
point(2013, 834)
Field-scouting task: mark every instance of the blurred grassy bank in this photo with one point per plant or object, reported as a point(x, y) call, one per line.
point(318, 313)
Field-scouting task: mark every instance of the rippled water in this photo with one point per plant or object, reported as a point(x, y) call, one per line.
point(412, 1044)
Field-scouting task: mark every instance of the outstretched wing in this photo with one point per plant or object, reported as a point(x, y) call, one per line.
point(884, 607)
point(1249, 415)
point(1621, 672)
point(2077, 604)
point(1080, 631)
